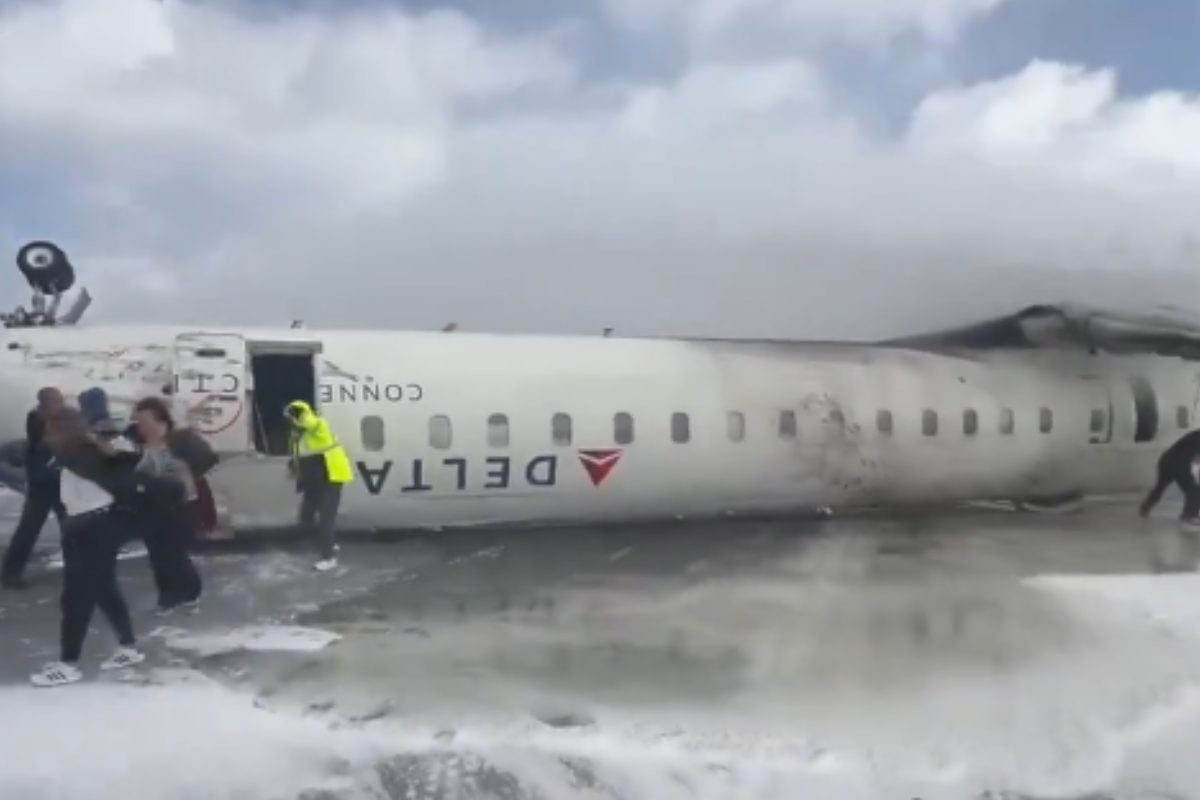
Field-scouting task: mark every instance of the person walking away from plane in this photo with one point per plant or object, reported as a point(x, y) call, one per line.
point(93, 475)
point(1175, 465)
point(93, 404)
point(190, 447)
point(193, 449)
point(41, 491)
point(320, 466)
point(168, 522)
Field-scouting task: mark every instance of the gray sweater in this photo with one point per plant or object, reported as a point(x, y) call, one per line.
point(159, 462)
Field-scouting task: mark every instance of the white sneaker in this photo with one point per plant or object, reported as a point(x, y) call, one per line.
point(188, 606)
point(124, 657)
point(56, 673)
point(326, 564)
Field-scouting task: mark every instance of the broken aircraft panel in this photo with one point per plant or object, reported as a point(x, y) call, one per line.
point(1162, 331)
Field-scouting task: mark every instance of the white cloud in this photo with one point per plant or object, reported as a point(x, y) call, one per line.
point(721, 94)
point(1065, 117)
point(864, 21)
point(355, 107)
point(384, 168)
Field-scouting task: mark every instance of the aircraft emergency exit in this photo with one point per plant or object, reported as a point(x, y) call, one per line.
point(457, 429)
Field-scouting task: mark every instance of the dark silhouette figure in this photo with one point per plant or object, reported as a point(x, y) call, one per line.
point(41, 491)
point(1175, 466)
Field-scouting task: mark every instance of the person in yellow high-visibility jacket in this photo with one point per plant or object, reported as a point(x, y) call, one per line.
point(320, 467)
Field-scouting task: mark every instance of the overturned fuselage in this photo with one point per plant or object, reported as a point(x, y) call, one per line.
point(450, 429)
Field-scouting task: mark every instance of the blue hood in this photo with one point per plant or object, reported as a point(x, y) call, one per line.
point(94, 405)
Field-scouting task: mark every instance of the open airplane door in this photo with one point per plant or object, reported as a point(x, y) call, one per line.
point(209, 384)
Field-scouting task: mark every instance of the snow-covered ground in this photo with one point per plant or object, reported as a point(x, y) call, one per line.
point(862, 664)
point(1117, 710)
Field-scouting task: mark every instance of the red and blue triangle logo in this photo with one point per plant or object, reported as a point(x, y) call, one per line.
point(599, 463)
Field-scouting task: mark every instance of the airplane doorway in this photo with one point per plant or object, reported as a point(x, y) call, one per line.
point(1145, 407)
point(279, 378)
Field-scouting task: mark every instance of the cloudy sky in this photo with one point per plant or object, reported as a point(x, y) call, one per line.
point(735, 167)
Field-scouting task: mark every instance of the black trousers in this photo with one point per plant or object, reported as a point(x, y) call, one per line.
point(38, 505)
point(167, 535)
point(90, 543)
point(1180, 473)
point(319, 503)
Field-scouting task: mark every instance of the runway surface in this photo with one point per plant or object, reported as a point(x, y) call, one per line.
point(979, 653)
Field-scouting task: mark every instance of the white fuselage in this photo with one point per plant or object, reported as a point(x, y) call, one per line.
point(450, 429)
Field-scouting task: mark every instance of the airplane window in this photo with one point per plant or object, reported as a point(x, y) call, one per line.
point(929, 422)
point(1181, 416)
point(1007, 421)
point(735, 426)
point(1098, 419)
point(439, 432)
point(970, 422)
point(560, 428)
point(371, 430)
point(623, 428)
point(787, 424)
point(680, 427)
point(497, 430)
point(883, 421)
point(1045, 420)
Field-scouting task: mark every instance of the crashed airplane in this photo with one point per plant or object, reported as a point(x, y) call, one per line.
point(456, 429)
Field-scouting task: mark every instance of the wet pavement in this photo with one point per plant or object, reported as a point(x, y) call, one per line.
point(800, 641)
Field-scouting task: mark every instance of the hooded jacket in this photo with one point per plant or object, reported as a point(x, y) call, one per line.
point(94, 405)
point(317, 454)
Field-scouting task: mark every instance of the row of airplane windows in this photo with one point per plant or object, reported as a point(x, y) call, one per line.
point(441, 430)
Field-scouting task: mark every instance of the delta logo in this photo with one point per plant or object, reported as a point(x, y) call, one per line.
point(599, 463)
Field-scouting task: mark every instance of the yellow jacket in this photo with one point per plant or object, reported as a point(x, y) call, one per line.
point(311, 436)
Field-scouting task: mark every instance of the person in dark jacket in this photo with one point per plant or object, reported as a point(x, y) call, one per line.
point(168, 526)
point(95, 479)
point(41, 491)
point(1175, 466)
point(193, 450)
point(93, 405)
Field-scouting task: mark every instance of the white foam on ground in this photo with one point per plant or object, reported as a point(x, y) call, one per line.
point(1036, 686)
point(190, 739)
point(255, 638)
point(1101, 695)
point(187, 739)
